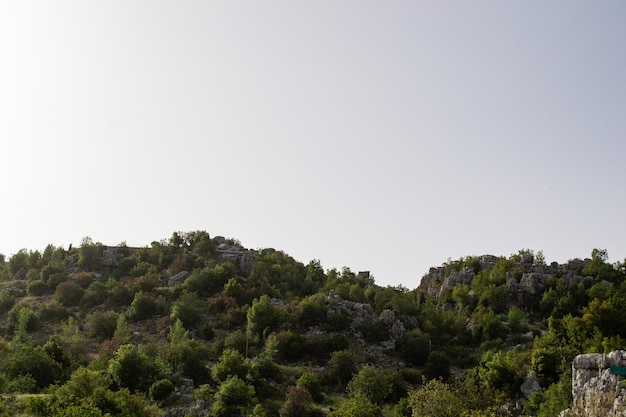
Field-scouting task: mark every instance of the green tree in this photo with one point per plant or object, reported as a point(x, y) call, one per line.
point(144, 306)
point(132, 368)
point(311, 382)
point(161, 391)
point(343, 366)
point(89, 255)
point(435, 399)
point(187, 309)
point(298, 403)
point(371, 383)
point(263, 317)
point(503, 371)
point(102, 324)
point(186, 355)
point(358, 406)
point(437, 365)
point(231, 363)
point(233, 397)
point(28, 360)
point(69, 293)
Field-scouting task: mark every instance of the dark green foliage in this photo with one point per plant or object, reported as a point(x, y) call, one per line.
point(337, 322)
point(290, 345)
point(357, 407)
point(132, 368)
point(231, 363)
point(144, 306)
point(414, 347)
point(161, 391)
point(23, 319)
point(187, 356)
point(54, 313)
point(55, 350)
point(233, 397)
point(32, 361)
point(343, 366)
point(371, 383)
point(89, 255)
point(312, 311)
point(311, 382)
point(187, 309)
point(263, 317)
point(208, 281)
point(38, 288)
point(374, 332)
point(437, 366)
point(435, 399)
point(101, 324)
point(555, 399)
point(68, 293)
point(321, 346)
point(7, 300)
point(502, 371)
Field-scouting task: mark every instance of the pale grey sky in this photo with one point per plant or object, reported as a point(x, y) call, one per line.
point(383, 136)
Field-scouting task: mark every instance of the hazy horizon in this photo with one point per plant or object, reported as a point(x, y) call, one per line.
point(382, 137)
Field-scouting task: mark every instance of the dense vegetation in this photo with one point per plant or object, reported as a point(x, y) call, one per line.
point(196, 325)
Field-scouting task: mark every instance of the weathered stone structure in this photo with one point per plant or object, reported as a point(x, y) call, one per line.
point(595, 388)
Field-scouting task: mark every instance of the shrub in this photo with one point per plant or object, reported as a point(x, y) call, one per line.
point(143, 307)
point(102, 324)
point(161, 391)
point(69, 293)
point(37, 288)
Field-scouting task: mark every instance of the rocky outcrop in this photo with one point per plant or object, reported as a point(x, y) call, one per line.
point(229, 251)
point(530, 386)
point(177, 279)
point(109, 256)
point(362, 314)
point(528, 291)
point(596, 390)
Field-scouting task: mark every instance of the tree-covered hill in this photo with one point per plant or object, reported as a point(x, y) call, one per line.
point(199, 325)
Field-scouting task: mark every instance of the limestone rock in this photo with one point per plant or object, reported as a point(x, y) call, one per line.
point(592, 379)
point(178, 278)
point(530, 386)
point(109, 257)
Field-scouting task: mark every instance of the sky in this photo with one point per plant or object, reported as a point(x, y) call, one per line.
point(383, 136)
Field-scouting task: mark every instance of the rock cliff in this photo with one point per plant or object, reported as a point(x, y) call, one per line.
point(598, 391)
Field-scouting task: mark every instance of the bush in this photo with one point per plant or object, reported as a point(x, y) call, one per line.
point(143, 307)
point(53, 313)
point(132, 368)
point(69, 293)
point(343, 366)
point(37, 288)
point(298, 404)
point(161, 391)
point(233, 397)
point(102, 324)
point(371, 383)
point(311, 382)
point(7, 301)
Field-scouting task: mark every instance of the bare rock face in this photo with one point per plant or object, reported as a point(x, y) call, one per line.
point(109, 257)
point(527, 293)
point(530, 386)
point(363, 314)
point(227, 251)
point(178, 278)
point(594, 387)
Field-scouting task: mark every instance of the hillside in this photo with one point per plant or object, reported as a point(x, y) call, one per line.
point(202, 326)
